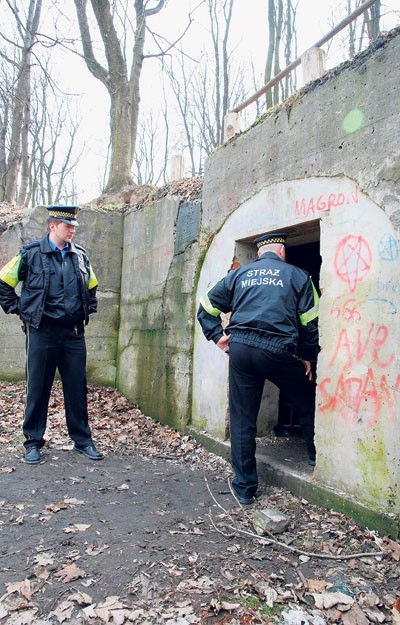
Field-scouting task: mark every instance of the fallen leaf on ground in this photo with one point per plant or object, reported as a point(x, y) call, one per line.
point(327, 600)
point(69, 573)
point(78, 527)
point(355, 616)
point(81, 597)
point(395, 550)
point(63, 611)
point(23, 588)
point(57, 506)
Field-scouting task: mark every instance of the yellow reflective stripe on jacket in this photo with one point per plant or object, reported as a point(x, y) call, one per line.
point(9, 273)
point(92, 279)
point(208, 307)
point(311, 314)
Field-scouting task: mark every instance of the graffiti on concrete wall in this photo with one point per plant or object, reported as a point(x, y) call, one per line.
point(352, 260)
point(312, 206)
point(353, 389)
point(362, 381)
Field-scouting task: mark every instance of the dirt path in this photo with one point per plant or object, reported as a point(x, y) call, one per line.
point(152, 535)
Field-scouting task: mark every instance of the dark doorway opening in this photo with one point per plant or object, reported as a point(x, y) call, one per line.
point(307, 257)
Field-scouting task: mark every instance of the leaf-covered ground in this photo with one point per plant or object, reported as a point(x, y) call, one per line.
point(152, 535)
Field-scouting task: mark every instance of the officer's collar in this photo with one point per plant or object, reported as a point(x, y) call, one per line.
point(53, 246)
point(270, 255)
point(47, 247)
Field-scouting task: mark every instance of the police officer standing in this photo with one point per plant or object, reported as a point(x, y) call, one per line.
point(58, 294)
point(273, 335)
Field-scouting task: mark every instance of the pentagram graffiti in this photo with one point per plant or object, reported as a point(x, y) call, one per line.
point(388, 247)
point(352, 260)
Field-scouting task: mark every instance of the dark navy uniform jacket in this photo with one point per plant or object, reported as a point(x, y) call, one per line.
point(67, 292)
point(274, 306)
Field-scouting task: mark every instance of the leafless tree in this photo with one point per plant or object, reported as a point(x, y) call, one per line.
point(282, 46)
point(220, 17)
point(206, 89)
point(181, 80)
point(361, 31)
point(122, 84)
point(19, 111)
point(54, 155)
point(149, 164)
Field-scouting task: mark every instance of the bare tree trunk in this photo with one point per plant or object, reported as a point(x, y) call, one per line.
point(271, 49)
point(123, 90)
point(352, 32)
point(278, 39)
point(21, 109)
point(221, 60)
point(24, 178)
point(225, 65)
point(372, 18)
point(3, 150)
point(214, 22)
point(290, 51)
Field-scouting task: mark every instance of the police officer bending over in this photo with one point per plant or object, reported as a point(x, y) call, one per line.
point(273, 335)
point(57, 296)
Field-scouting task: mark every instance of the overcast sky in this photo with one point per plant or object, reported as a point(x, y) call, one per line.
point(248, 37)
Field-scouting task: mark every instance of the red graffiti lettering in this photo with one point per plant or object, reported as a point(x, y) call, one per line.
point(379, 340)
point(313, 206)
point(350, 396)
point(350, 350)
point(300, 207)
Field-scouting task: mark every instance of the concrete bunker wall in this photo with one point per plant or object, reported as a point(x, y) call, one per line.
point(358, 370)
point(332, 156)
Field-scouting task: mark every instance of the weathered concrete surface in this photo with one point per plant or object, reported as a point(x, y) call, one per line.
point(330, 158)
point(155, 340)
point(317, 134)
point(101, 235)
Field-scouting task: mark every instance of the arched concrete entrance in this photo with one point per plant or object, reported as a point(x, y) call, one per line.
point(358, 382)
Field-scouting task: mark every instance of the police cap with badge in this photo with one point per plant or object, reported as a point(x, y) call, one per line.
point(67, 214)
point(268, 239)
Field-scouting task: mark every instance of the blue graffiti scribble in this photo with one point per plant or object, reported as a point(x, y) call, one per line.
point(388, 247)
point(386, 301)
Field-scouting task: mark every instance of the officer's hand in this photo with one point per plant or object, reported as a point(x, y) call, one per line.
point(307, 365)
point(223, 343)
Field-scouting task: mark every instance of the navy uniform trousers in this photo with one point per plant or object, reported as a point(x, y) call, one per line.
point(249, 367)
point(48, 348)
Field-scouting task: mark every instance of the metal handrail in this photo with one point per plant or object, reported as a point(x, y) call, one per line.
point(347, 20)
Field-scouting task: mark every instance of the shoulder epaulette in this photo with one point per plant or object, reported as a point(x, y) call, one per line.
point(28, 246)
point(80, 247)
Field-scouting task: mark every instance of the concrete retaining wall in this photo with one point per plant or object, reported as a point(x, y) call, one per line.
point(155, 341)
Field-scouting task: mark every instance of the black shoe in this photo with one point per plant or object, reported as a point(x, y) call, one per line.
point(89, 451)
point(244, 501)
point(32, 455)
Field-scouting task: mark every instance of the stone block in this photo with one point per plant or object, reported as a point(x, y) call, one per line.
point(270, 521)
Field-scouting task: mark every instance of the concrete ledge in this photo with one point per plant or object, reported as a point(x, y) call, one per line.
point(299, 482)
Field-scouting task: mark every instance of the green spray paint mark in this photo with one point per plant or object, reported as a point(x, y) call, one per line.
point(353, 121)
